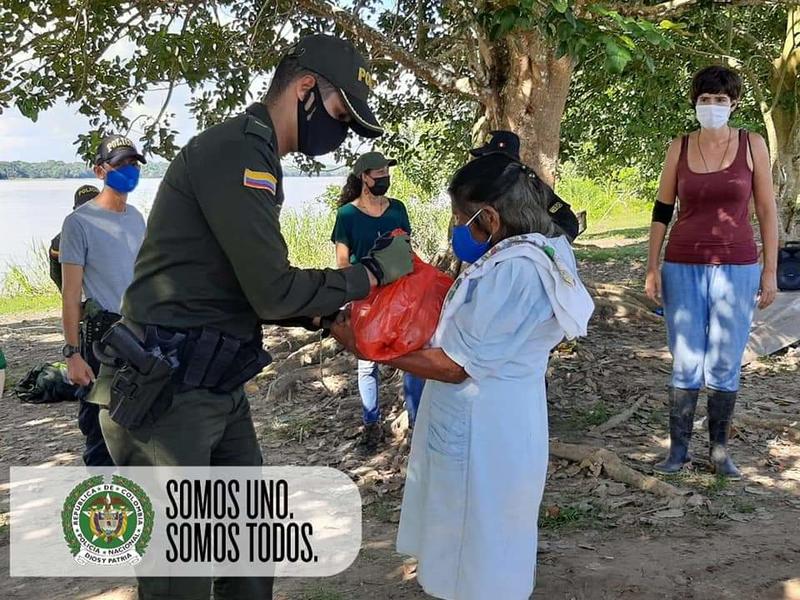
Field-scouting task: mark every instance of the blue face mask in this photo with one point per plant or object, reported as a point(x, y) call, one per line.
point(466, 247)
point(124, 180)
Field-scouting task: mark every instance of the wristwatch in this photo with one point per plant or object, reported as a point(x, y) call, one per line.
point(68, 350)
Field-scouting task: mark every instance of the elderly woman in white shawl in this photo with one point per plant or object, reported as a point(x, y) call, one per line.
point(480, 448)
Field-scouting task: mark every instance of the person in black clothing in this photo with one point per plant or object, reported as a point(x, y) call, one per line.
point(82, 195)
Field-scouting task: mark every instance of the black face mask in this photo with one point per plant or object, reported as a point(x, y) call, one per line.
point(317, 132)
point(380, 187)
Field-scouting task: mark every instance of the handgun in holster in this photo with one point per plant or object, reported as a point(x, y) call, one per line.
point(95, 322)
point(143, 376)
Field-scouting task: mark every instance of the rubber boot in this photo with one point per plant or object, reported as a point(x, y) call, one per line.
point(720, 413)
point(681, 420)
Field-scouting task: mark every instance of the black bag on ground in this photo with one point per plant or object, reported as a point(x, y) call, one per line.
point(46, 383)
point(789, 267)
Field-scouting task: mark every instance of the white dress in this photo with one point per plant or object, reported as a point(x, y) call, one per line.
point(480, 449)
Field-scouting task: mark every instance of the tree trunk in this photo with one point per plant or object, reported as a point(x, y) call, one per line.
point(529, 92)
point(785, 117)
point(786, 175)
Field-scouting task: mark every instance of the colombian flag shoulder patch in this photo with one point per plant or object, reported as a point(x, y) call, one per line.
point(261, 180)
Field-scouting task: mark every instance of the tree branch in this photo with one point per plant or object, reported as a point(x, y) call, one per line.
point(676, 7)
point(175, 63)
point(424, 70)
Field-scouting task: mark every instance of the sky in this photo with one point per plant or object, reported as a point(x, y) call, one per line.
point(52, 136)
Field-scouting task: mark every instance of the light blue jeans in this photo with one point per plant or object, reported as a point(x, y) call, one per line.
point(369, 380)
point(708, 311)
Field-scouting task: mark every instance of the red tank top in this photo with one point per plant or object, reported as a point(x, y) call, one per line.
point(713, 224)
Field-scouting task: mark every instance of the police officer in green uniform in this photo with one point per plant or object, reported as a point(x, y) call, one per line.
point(214, 267)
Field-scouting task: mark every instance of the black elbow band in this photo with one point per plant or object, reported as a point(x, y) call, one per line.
point(662, 213)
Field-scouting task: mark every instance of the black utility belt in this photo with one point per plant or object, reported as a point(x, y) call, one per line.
point(213, 360)
point(96, 326)
point(152, 360)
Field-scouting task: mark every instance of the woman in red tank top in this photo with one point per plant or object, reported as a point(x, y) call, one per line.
point(711, 278)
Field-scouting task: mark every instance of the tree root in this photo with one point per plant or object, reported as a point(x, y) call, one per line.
point(621, 302)
point(608, 461)
point(621, 309)
point(310, 354)
point(288, 380)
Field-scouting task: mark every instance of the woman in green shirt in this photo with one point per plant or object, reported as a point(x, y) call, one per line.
point(365, 213)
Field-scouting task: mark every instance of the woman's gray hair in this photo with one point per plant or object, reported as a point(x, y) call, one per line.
point(513, 189)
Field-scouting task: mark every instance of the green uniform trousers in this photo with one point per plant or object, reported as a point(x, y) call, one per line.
point(199, 428)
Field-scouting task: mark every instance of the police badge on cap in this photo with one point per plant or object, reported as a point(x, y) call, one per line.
point(499, 141)
point(116, 148)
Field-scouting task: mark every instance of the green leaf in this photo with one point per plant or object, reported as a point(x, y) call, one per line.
point(617, 57)
point(560, 5)
point(670, 25)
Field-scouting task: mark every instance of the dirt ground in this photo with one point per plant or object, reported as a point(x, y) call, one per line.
point(599, 538)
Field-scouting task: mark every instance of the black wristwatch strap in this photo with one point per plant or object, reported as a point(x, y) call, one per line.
point(67, 350)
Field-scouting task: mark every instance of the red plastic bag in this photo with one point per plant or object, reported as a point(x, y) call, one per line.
point(400, 317)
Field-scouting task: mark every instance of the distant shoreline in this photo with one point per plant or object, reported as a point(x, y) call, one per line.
point(91, 177)
point(56, 169)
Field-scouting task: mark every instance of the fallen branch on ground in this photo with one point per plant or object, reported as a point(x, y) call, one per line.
point(609, 307)
point(621, 302)
point(619, 418)
point(284, 382)
point(614, 468)
point(310, 354)
point(302, 338)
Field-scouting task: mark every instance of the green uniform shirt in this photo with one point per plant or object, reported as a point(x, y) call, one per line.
point(213, 254)
point(358, 231)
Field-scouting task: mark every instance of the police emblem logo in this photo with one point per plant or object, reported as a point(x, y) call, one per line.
point(120, 142)
point(107, 523)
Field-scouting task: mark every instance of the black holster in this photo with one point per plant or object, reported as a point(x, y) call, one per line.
point(142, 384)
point(94, 325)
point(154, 362)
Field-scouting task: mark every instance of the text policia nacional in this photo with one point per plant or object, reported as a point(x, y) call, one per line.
point(201, 527)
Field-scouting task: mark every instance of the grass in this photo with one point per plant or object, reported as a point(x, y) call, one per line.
point(625, 233)
point(621, 200)
point(584, 418)
point(381, 510)
point(291, 428)
point(21, 304)
point(568, 517)
point(616, 253)
point(321, 592)
point(28, 287)
point(707, 483)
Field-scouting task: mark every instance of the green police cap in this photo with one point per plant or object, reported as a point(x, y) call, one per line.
point(372, 160)
point(342, 65)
